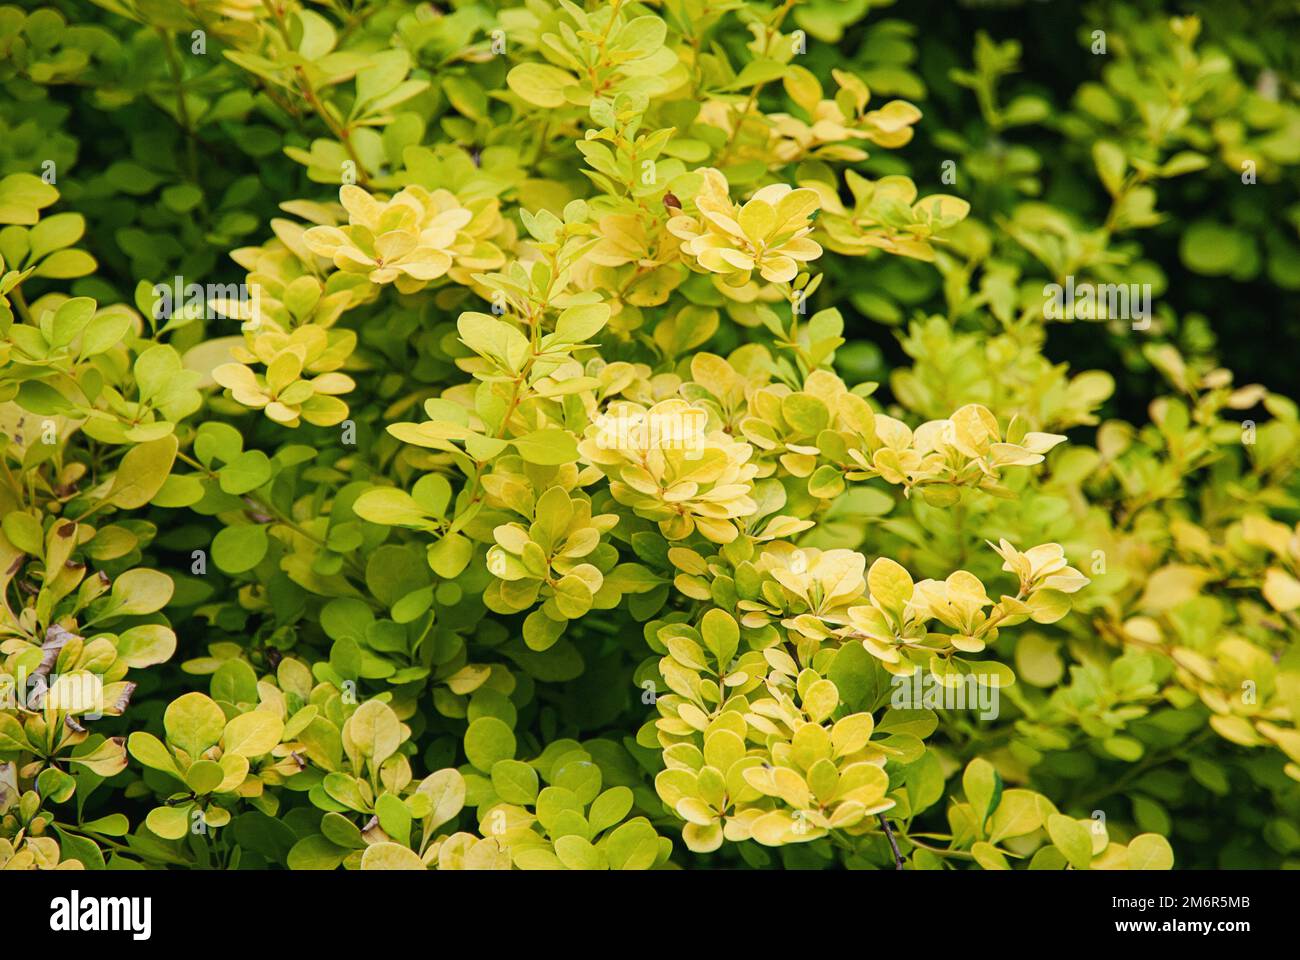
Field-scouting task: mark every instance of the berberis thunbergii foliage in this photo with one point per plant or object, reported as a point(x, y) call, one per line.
point(456, 435)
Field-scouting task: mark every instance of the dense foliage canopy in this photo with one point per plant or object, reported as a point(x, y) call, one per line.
point(625, 435)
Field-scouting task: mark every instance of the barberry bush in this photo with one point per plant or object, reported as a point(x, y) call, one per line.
point(638, 435)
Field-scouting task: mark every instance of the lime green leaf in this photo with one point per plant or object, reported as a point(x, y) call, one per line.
point(194, 723)
point(239, 549)
point(488, 740)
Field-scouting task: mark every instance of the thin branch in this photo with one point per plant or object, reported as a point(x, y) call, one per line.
point(893, 844)
point(308, 92)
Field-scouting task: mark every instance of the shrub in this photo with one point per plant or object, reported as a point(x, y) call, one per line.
point(532, 488)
